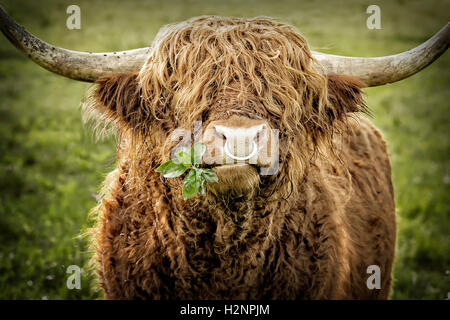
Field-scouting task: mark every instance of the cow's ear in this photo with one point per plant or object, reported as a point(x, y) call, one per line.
point(118, 98)
point(345, 95)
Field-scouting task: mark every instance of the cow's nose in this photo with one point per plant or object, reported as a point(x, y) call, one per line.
point(239, 140)
point(240, 143)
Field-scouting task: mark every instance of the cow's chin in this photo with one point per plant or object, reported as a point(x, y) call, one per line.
point(235, 180)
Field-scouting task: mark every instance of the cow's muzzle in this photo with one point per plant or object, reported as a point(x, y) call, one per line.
point(240, 140)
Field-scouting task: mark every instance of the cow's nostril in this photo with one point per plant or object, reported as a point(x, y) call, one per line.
point(221, 136)
point(257, 137)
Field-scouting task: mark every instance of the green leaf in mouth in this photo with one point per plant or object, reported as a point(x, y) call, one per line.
point(183, 156)
point(191, 185)
point(170, 169)
point(208, 175)
point(195, 180)
point(197, 153)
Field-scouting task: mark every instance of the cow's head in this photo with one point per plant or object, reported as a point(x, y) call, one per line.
point(264, 100)
point(264, 105)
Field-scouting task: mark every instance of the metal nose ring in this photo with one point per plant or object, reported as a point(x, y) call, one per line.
point(232, 156)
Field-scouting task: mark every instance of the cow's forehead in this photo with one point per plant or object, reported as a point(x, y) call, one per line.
point(219, 25)
point(237, 45)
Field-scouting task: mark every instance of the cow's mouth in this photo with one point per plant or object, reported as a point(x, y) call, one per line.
point(237, 179)
point(228, 166)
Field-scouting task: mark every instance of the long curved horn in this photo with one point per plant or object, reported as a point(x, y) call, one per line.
point(88, 66)
point(84, 66)
point(382, 70)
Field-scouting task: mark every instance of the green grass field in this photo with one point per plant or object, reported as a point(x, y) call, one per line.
point(51, 167)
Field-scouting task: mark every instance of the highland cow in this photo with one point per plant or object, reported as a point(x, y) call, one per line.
point(310, 230)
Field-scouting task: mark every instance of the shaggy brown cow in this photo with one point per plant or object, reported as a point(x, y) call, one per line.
point(308, 231)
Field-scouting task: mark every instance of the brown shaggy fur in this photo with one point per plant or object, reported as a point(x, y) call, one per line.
point(307, 232)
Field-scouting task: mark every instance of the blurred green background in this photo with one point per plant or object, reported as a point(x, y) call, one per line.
point(51, 167)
